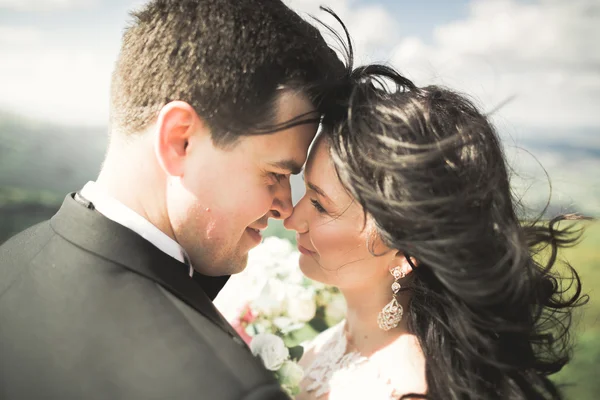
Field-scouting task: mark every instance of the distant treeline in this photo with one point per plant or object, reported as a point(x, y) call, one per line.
point(20, 209)
point(39, 164)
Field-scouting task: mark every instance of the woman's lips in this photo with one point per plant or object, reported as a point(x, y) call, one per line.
point(304, 250)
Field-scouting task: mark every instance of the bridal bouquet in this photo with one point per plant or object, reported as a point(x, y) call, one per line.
point(276, 357)
point(272, 296)
point(275, 308)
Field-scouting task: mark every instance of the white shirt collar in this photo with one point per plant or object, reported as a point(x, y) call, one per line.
point(116, 211)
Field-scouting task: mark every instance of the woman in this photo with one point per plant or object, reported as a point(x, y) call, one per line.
point(408, 211)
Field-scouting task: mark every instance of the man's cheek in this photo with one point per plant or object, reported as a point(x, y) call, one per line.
point(258, 204)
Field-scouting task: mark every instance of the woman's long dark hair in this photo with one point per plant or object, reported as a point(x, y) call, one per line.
point(488, 304)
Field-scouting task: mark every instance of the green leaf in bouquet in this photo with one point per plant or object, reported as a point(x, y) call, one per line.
point(307, 333)
point(296, 353)
point(291, 328)
point(318, 324)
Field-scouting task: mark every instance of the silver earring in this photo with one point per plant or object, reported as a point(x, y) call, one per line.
point(391, 315)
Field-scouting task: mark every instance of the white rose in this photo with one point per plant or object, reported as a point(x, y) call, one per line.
point(294, 274)
point(271, 300)
point(282, 323)
point(259, 262)
point(301, 304)
point(336, 308)
point(277, 248)
point(265, 259)
point(290, 375)
point(270, 349)
point(286, 325)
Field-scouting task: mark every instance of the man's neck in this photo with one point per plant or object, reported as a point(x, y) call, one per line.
point(128, 176)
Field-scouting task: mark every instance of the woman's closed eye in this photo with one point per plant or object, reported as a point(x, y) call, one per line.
point(318, 206)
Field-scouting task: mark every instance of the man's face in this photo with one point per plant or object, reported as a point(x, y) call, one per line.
point(226, 196)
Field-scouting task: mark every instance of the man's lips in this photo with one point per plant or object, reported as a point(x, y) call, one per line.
point(258, 228)
point(255, 233)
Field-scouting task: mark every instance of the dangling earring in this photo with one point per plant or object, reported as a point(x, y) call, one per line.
point(391, 315)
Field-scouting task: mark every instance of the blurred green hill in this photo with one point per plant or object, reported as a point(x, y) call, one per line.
point(580, 377)
point(39, 164)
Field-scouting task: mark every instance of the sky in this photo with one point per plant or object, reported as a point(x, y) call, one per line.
point(537, 59)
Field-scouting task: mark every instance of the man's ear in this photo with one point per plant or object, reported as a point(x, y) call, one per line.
point(177, 122)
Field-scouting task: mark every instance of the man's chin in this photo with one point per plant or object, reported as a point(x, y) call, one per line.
point(238, 265)
point(223, 267)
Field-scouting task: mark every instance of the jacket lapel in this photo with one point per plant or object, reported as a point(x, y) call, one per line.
point(79, 223)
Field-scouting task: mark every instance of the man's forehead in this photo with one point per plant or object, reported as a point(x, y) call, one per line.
point(293, 104)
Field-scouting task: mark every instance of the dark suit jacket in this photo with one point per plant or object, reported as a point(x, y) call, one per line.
point(91, 310)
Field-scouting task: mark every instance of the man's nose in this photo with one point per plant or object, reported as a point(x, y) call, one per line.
point(282, 206)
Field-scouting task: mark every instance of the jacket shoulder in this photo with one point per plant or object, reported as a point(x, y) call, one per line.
point(114, 332)
point(17, 252)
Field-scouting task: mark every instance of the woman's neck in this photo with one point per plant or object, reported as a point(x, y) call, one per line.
point(362, 329)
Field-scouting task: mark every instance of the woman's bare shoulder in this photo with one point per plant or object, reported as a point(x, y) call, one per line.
point(404, 362)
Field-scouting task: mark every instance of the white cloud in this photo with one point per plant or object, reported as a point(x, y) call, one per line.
point(43, 5)
point(573, 180)
point(544, 53)
point(371, 26)
point(44, 79)
point(65, 83)
point(15, 36)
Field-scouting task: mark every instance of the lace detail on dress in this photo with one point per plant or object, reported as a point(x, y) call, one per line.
point(345, 375)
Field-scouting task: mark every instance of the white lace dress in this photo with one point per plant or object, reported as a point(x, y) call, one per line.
point(341, 374)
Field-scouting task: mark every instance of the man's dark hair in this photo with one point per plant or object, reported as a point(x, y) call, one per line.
point(227, 58)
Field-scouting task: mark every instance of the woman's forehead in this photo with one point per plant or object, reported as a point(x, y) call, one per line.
point(320, 171)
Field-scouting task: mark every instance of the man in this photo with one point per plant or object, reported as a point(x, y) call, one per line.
point(213, 105)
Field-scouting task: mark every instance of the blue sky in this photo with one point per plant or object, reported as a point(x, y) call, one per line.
point(86, 18)
point(56, 57)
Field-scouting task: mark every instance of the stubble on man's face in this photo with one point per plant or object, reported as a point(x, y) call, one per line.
point(228, 192)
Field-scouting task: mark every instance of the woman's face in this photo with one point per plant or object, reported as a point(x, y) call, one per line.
point(332, 238)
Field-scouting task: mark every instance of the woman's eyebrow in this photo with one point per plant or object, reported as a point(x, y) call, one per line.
point(317, 189)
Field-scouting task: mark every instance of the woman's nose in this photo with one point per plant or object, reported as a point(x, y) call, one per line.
point(295, 221)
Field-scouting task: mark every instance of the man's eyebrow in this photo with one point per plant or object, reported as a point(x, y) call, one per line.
point(317, 189)
point(288, 165)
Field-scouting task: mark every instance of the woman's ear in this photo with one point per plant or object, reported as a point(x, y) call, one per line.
point(402, 261)
point(177, 122)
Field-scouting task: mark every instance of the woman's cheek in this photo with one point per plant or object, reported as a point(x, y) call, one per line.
point(332, 241)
